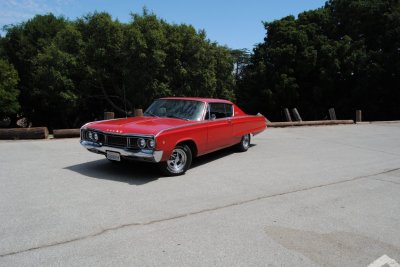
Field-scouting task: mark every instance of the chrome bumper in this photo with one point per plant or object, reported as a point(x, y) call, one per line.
point(143, 155)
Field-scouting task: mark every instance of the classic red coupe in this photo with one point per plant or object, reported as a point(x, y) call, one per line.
point(172, 131)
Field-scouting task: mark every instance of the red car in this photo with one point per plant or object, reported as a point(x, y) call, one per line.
point(172, 131)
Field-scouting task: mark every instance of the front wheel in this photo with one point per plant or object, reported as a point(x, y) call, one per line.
point(244, 143)
point(179, 161)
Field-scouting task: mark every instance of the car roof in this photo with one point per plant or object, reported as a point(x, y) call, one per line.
point(207, 100)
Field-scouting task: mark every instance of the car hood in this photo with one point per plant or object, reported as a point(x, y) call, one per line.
point(137, 125)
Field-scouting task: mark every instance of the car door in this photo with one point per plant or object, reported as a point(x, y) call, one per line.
point(219, 126)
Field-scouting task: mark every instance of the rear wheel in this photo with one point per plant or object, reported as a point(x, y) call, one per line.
point(179, 161)
point(244, 143)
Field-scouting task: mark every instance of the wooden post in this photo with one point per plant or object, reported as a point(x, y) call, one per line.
point(296, 114)
point(332, 114)
point(109, 115)
point(287, 114)
point(358, 116)
point(138, 112)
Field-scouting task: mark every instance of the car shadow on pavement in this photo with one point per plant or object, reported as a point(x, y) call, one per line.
point(135, 172)
point(199, 161)
point(131, 172)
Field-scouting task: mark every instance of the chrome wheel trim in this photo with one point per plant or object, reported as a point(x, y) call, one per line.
point(177, 161)
point(246, 141)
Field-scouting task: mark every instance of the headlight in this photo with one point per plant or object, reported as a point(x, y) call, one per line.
point(95, 136)
point(90, 135)
point(151, 143)
point(141, 143)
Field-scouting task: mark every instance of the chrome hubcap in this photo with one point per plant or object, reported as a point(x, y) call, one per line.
point(246, 141)
point(177, 161)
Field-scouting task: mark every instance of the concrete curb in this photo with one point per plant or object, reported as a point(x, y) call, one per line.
point(308, 123)
point(377, 122)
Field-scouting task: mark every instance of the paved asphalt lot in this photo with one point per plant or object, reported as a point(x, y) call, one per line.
point(310, 196)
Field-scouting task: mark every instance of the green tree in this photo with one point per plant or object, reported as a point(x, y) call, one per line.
point(9, 92)
point(22, 45)
point(72, 71)
point(102, 60)
point(241, 58)
point(344, 55)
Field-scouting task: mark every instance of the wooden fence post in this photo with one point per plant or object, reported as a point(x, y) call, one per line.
point(296, 114)
point(287, 114)
point(332, 114)
point(358, 116)
point(138, 112)
point(109, 115)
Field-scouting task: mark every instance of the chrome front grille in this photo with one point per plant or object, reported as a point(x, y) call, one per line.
point(115, 140)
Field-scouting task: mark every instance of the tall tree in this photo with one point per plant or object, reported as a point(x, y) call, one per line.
point(22, 45)
point(344, 55)
point(9, 92)
point(72, 71)
point(241, 58)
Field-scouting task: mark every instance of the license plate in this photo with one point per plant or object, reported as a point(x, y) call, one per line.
point(113, 156)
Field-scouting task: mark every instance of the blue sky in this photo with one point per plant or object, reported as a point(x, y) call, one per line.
point(235, 23)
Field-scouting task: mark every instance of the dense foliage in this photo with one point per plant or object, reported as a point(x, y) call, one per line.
point(8, 89)
point(72, 71)
point(61, 73)
point(345, 55)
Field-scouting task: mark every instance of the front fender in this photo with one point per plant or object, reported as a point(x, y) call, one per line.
point(167, 141)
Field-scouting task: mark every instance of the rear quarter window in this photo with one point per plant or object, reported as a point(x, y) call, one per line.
point(219, 111)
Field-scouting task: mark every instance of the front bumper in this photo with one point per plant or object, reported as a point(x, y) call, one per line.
point(141, 155)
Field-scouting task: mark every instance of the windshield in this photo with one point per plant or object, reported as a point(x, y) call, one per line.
point(176, 108)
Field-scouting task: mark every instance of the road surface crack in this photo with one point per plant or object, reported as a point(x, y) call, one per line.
point(103, 231)
point(388, 181)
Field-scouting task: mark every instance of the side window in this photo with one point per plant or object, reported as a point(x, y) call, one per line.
point(228, 110)
point(218, 111)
